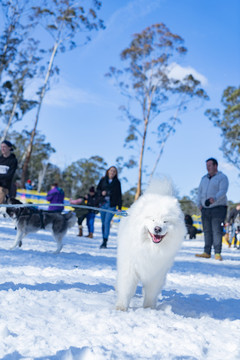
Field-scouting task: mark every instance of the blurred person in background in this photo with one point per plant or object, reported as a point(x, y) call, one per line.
point(212, 201)
point(8, 166)
point(110, 197)
point(55, 196)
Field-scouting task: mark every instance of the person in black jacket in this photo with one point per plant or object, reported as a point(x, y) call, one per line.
point(8, 166)
point(110, 197)
point(191, 229)
point(92, 200)
point(81, 213)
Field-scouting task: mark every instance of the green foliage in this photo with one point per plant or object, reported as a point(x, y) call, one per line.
point(128, 197)
point(228, 121)
point(53, 174)
point(188, 206)
point(15, 104)
point(81, 174)
point(64, 19)
point(12, 31)
point(41, 152)
point(19, 59)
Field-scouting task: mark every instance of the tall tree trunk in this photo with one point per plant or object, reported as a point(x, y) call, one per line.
point(28, 157)
point(9, 121)
point(41, 176)
point(43, 91)
point(139, 184)
point(163, 143)
point(146, 122)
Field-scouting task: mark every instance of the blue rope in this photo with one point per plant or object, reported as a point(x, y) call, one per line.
point(118, 213)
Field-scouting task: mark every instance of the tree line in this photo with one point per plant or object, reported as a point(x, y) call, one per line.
point(77, 177)
point(156, 99)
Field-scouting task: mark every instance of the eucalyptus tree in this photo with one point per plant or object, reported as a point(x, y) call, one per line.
point(49, 174)
point(13, 31)
point(14, 43)
point(41, 153)
point(63, 20)
point(128, 197)
point(228, 121)
point(17, 76)
point(148, 84)
point(83, 173)
point(188, 206)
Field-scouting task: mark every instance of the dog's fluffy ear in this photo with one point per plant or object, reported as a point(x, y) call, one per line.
point(14, 201)
point(161, 186)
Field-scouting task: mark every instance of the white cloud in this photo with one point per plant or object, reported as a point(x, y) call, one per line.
point(178, 72)
point(64, 95)
point(225, 166)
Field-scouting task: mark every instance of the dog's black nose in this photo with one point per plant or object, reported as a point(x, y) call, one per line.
point(157, 229)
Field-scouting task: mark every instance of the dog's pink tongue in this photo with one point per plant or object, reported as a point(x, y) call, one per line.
point(156, 238)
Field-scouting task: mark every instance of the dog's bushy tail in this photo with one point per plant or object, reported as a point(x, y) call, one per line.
point(71, 219)
point(161, 186)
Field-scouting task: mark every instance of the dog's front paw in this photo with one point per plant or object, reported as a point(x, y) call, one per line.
point(121, 308)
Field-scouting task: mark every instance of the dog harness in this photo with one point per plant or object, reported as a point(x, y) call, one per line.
point(30, 211)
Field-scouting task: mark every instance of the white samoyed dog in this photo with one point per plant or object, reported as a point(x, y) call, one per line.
point(148, 239)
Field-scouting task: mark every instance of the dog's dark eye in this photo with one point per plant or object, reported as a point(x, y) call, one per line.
point(165, 222)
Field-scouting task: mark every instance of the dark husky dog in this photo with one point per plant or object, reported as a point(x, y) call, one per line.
point(30, 220)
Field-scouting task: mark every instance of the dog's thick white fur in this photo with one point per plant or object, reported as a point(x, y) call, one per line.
point(148, 239)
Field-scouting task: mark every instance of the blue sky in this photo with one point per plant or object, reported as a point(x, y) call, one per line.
point(80, 115)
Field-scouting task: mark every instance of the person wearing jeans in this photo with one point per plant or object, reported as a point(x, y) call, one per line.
point(234, 221)
point(212, 220)
point(106, 218)
point(92, 201)
point(212, 202)
point(110, 194)
point(90, 224)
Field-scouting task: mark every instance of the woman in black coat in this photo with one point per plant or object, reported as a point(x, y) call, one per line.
point(110, 195)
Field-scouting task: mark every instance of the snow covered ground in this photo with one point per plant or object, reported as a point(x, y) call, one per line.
point(63, 306)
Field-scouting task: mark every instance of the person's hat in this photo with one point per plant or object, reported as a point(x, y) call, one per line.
point(29, 181)
point(92, 189)
point(9, 144)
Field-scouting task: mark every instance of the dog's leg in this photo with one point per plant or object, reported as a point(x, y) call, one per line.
point(151, 292)
point(58, 239)
point(18, 240)
point(150, 299)
point(126, 288)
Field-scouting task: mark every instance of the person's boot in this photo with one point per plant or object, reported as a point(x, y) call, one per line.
point(203, 255)
point(104, 244)
point(90, 235)
point(80, 231)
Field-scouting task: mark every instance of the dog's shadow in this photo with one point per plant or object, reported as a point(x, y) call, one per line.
point(197, 306)
point(91, 288)
point(70, 353)
point(64, 259)
point(193, 305)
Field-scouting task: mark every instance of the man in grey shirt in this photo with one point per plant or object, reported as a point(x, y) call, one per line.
point(212, 201)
